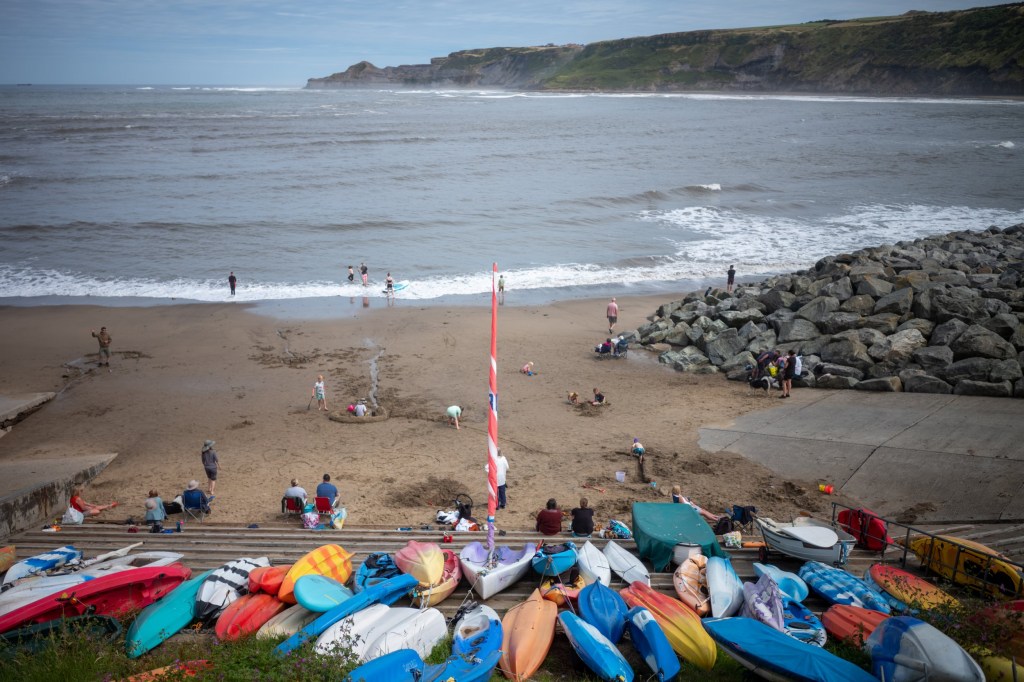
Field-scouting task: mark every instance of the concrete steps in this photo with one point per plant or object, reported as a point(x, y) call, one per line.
point(209, 545)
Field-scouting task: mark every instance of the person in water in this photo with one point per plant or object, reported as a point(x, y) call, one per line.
point(351, 274)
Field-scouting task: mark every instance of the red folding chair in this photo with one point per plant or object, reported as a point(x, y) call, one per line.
point(292, 505)
point(324, 505)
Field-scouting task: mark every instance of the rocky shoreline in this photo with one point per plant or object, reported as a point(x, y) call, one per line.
point(936, 315)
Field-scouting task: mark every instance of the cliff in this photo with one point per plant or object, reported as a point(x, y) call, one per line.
point(967, 52)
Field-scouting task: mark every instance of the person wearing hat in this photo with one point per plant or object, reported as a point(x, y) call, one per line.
point(211, 463)
point(194, 498)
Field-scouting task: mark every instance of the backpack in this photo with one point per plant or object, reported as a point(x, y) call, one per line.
point(723, 525)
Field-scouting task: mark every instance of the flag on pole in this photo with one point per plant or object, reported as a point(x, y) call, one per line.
point(492, 418)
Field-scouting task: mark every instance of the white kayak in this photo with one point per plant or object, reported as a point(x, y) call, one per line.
point(348, 632)
point(421, 633)
point(288, 622)
point(225, 585)
point(41, 563)
point(724, 587)
point(626, 565)
point(594, 566)
point(491, 574)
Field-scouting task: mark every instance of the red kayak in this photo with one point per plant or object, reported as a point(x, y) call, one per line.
point(844, 622)
point(247, 614)
point(267, 579)
point(110, 595)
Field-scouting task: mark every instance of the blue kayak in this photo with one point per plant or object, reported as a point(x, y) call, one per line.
point(405, 665)
point(777, 656)
point(164, 618)
point(553, 560)
point(800, 623)
point(320, 593)
point(790, 584)
point(603, 608)
point(905, 648)
point(650, 642)
point(841, 587)
point(378, 567)
point(477, 632)
point(387, 592)
point(594, 649)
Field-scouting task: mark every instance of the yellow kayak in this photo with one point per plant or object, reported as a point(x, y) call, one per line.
point(965, 562)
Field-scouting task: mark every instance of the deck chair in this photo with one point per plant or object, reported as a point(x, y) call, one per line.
point(743, 516)
point(292, 505)
point(324, 505)
point(192, 506)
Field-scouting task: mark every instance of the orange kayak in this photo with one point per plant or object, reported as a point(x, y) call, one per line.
point(247, 614)
point(267, 579)
point(527, 632)
point(853, 623)
point(7, 558)
point(681, 625)
point(422, 560)
point(332, 561)
point(559, 592)
point(910, 589)
point(435, 594)
point(691, 584)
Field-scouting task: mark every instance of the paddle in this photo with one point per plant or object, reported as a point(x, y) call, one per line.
point(111, 555)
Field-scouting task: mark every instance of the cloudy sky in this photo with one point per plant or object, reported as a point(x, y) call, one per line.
point(284, 42)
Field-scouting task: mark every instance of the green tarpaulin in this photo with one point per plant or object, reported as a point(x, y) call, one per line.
point(658, 527)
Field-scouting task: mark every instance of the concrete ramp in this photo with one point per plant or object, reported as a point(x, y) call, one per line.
point(948, 458)
point(35, 491)
point(14, 408)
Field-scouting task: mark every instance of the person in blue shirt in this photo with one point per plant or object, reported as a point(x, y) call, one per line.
point(194, 498)
point(328, 490)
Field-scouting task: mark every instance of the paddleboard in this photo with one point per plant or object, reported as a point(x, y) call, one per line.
point(320, 593)
point(799, 623)
point(905, 589)
point(398, 286)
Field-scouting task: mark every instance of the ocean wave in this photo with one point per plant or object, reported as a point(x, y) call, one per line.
point(1006, 144)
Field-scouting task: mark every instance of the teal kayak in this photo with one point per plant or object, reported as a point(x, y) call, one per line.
point(164, 618)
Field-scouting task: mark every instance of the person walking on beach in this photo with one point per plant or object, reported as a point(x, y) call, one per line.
point(351, 274)
point(731, 278)
point(502, 475)
point(319, 394)
point(501, 287)
point(613, 315)
point(363, 271)
point(104, 338)
point(232, 281)
point(211, 464)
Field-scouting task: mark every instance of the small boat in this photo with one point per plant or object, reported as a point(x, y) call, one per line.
point(422, 560)
point(477, 632)
point(966, 562)
point(841, 587)
point(111, 595)
point(773, 655)
point(691, 584)
point(907, 649)
point(595, 650)
point(593, 564)
point(790, 584)
point(225, 585)
point(438, 592)
point(725, 589)
point(41, 563)
point(246, 615)
point(330, 560)
point(377, 567)
point(387, 592)
point(35, 638)
point(807, 539)
point(680, 624)
point(421, 632)
point(561, 592)
point(603, 608)
point(285, 624)
point(528, 629)
point(490, 574)
point(320, 593)
point(762, 602)
point(800, 623)
point(165, 618)
point(853, 624)
point(554, 560)
point(267, 579)
point(650, 642)
point(626, 565)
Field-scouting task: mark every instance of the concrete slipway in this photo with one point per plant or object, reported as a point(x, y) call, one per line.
point(951, 458)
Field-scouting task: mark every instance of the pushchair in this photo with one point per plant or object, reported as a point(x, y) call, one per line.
point(613, 348)
point(759, 376)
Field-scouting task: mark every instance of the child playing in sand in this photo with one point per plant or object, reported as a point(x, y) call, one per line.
point(598, 398)
point(318, 391)
point(574, 398)
point(527, 369)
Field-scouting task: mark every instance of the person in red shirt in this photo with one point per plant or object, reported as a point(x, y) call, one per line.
point(549, 520)
point(87, 508)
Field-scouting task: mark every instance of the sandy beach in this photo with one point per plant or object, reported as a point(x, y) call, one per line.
point(181, 374)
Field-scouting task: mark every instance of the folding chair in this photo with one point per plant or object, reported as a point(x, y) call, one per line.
point(292, 505)
point(324, 505)
point(192, 507)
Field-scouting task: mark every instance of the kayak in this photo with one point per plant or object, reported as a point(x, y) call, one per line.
point(165, 618)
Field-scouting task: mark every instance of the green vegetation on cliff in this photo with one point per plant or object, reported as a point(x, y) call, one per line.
point(966, 52)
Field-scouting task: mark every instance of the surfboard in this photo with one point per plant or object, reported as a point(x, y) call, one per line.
point(398, 286)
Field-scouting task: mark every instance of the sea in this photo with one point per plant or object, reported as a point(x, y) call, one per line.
point(142, 195)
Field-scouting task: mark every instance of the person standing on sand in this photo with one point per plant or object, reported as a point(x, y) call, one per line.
point(364, 273)
point(613, 315)
point(232, 281)
point(389, 286)
point(351, 274)
point(502, 472)
point(104, 338)
point(731, 274)
point(788, 372)
point(319, 393)
point(501, 287)
point(211, 464)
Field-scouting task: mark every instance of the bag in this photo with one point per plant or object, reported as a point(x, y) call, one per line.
point(72, 517)
point(733, 539)
point(156, 528)
point(619, 530)
point(338, 518)
point(798, 366)
point(723, 525)
point(310, 520)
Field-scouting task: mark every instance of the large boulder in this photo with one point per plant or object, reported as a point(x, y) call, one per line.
point(1004, 324)
point(776, 300)
point(688, 359)
point(1001, 389)
point(868, 337)
point(741, 361)
point(918, 280)
point(977, 341)
point(762, 342)
point(860, 304)
point(818, 308)
point(976, 369)
point(898, 347)
point(874, 287)
point(839, 370)
point(833, 381)
point(924, 326)
point(841, 289)
point(924, 383)
point(881, 385)
point(738, 318)
point(933, 359)
point(947, 332)
point(679, 335)
point(1005, 370)
point(797, 329)
point(956, 305)
point(724, 346)
point(898, 302)
point(883, 322)
point(833, 323)
point(847, 352)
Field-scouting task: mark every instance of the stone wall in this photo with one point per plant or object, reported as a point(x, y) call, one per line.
point(937, 315)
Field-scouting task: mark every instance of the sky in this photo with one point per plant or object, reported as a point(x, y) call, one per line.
point(284, 42)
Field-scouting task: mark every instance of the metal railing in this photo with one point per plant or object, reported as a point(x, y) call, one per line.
point(982, 576)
